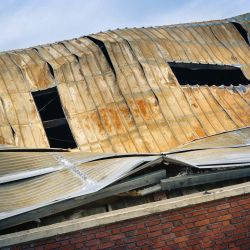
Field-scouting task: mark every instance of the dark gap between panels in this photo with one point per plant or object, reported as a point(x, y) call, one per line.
point(242, 31)
point(104, 50)
point(54, 121)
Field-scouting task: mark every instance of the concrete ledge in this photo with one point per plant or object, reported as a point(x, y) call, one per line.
point(123, 214)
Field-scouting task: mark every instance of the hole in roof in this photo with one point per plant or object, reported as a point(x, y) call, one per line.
point(207, 74)
point(54, 121)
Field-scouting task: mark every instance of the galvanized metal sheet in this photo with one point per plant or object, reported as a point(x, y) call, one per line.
point(229, 149)
point(235, 138)
point(71, 175)
point(32, 180)
point(214, 158)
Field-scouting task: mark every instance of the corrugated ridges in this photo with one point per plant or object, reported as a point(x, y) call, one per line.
point(75, 174)
point(133, 105)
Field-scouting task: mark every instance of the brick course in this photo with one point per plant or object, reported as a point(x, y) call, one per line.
point(223, 224)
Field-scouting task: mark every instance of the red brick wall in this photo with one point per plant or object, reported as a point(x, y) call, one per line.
point(223, 224)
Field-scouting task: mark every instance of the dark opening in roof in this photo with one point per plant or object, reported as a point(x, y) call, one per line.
point(206, 74)
point(104, 50)
point(242, 31)
point(54, 121)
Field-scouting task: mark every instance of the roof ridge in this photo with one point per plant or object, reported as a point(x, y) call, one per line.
point(242, 17)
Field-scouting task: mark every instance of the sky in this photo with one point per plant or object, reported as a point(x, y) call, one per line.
point(25, 23)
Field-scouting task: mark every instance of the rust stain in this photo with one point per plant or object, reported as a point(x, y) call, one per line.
point(106, 120)
point(128, 116)
point(191, 138)
point(139, 105)
point(200, 132)
point(96, 120)
point(132, 104)
point(116, 119)
point(144, 108)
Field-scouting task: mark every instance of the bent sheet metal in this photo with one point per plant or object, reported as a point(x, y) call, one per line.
point(30, 180)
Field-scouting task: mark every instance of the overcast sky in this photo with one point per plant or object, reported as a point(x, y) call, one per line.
point(24, 23)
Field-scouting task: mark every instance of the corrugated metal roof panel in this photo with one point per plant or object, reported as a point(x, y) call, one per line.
point(126, 98)
point(239, 137)
point(210, 43)
point(74, 174)
point(230, 149)
point(45, 178)
point(215, 158)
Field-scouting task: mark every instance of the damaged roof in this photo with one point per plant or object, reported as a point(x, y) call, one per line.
point(36, 184)
point(123, 101)
point(119, 93)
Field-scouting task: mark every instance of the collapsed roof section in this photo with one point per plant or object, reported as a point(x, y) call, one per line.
point(116, 91)
point(36, 184)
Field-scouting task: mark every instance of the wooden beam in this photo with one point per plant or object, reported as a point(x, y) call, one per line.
point(199, 179)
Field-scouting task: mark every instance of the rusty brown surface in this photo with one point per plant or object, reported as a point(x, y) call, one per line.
point(136, 106)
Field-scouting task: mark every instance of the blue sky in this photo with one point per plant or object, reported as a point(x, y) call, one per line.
point(25, 23)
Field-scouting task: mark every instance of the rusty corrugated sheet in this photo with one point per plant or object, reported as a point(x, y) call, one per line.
point(132, 103)
point(205, 43)
point(20, 121)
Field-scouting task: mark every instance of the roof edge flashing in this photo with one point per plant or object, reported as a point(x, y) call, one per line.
point(124, 214)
